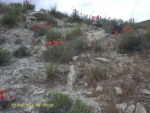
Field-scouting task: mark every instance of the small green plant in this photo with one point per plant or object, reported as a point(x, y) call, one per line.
point(52, 35)
point(75, 17)
point(130, 42)
point(51, 70)
point(3, 8)
point(98, 73)
point(21, 52)
point(10, 18)
point(56, 13)
point(4, 55)
point(76, 32)
point(60, 54)
point(18, 41)
point(96, 45)
point(62, 101)
point(80, 107)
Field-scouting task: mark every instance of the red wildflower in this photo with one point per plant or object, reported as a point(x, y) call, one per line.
point(39, 26)
point(127, 28)
point(2, 96)
point(45, 22)
point(11, 96)
point(58, 39)
point(120, 44)
point(48, 26)
point(6, 90)
point(109, 42)
point(50, 43)
point(148, 27)
point(46, 44)
point(1, 91)
point(34, 27)
point(62, 43)
point(67, 43)
point(55, 42)
point(115, 33)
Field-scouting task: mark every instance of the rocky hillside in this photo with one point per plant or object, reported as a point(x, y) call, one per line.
point(73, 67)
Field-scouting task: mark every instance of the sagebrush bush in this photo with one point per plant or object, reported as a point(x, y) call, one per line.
point(75, 32)
point(62, 101)
point(80, 107)
point(21, 52)
point(52, 35)
point(96, 45)
point(56, 13)
point(3, 8)
point(40, 32)
point(29, 6)
point(51, 70)
point(18, 41)
point(75, 17)
point(98, 73)
point(130, 42)
point(51, 20)
point(4, 55)
point(78, 44)
point(61, 54)
point(10, 18)
point(147, 36)
point(113, 25)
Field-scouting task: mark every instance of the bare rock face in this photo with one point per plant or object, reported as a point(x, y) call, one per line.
point(118, 90)
point(145, 91)
point(99, 88)
point(140, 108)
point(121, 107)
point(130, 108)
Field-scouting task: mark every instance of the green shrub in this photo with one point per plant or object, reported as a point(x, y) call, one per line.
point(29, 6)
point(78, 44)
point(3, 8)
point(75, 17)
point(51, 20)
point(96, 45)
point(98, 73)
point(51, 70)
point(62, 101)
point(21, 52)
point(18, 41)
point(80, 107)
point(10, 18)
point(52, 35)
point(76, 32)
point(130, 42)
point(147, 36)
point(59, 54)
point(4, 55)
point(40, 32)
point(56, 13)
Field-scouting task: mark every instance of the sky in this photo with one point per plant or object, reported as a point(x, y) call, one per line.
point(120, 9)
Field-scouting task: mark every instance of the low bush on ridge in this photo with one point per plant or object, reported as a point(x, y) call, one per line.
point(132, 40)
point(10, 18)
point(64, 104)
point(51, 70)
point(4, 55)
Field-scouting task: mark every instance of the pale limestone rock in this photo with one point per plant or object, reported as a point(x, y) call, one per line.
point(118, 90)
point(102, 59)
point(121, 107)
point(99, 88)
point(130, 109)
point(140, 108)
point(145, 91)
